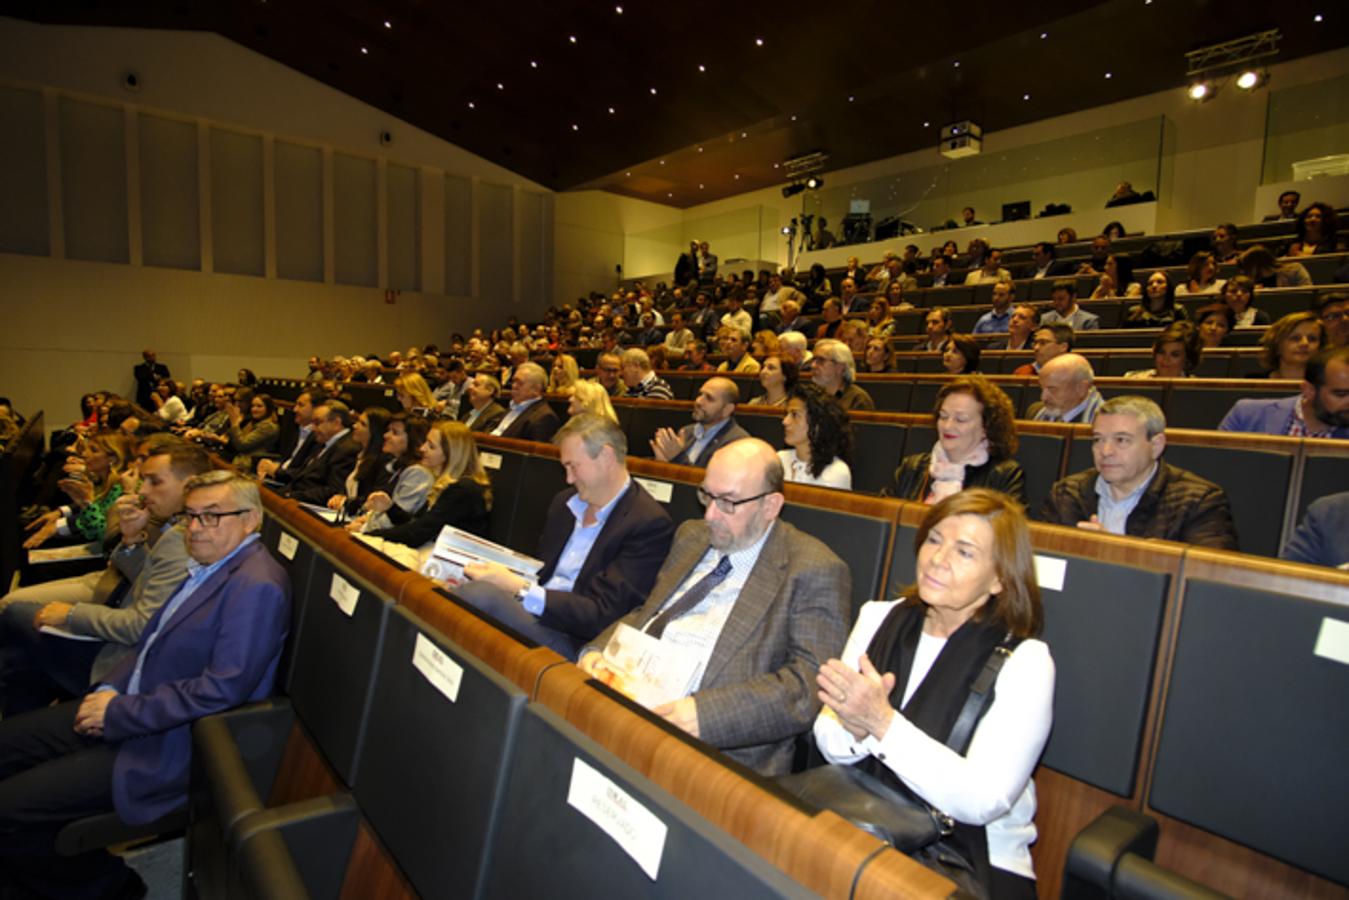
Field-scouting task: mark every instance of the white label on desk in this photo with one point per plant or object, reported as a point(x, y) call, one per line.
point(660, 490)
point(443, 672)
point(1050, 572)
point(389, 392)
point(489, 460)
point(344, 595)
point(632, 826)
point(1333, 641)
point(286, 545)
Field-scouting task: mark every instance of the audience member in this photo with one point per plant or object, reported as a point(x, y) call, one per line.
point(791, 318)
point(792, 346)
point(1044, 263)
point(938, 326)
point(1334, 313)
point(92, 483)
point(678, 338)
point(960, 355)
point(853, 335)
point(461, 494)
point(592, 398)
point(1216, 322)
point(1067, 391)
point(148, 373)
point(641, 380)
point(256, 438)
point(1159, 307)
point(1322, 538)
point(1100, 254)
point(1175, 353)
point(713, 426)
point(168, 402)
point(880, 321)
point(735, 347)
point(819, 439)
point(368, 430)
point(736, 315)
point(1286, 345)
point(941, 271)
point(325, 472)
point(603, 540)
point(1020, 328)
point(997, 318)
point(484, 413)
point(564, 375)
point(1237, 293)
point(1117, 279)
point(449, 396)
point(760, 604)
point(976, 443)
point(1224, 243)
point(910, 665)
point(1317, 232)
point(1133, 491)
point(1320, 410)
point(990, 270)
point(696, 359)
point(529, 418)
point(126, 747)
point(835, 370)
point(777, 376)
point(1288, 202)
point(878, 358)
point(1201, 276)
point(1261, 266)
point(765, 344)
point(1066, 309)
point(608, 372)
point(831, 318)
point(1048, 342)
point(414, 457)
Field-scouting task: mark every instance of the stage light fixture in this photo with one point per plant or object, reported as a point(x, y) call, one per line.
point(1200, 91)
point(814, 183)
point(792, 190)
point(1249, 80)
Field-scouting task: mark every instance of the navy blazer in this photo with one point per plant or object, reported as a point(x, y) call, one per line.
point(325, 472)
point(537, 423)
point(618, 572)
point(220, 650)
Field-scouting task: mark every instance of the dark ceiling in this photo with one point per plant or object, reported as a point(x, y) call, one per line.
point(679, 103)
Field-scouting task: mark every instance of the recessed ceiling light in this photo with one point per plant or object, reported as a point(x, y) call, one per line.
point(388, 24)
point(619, 10)
point(471, 105)
point(1318, 18)
point(611, 110)
point(758, 42)
point(1025, 96)
point(737, 177)
point(1043, 35)
point(956, 65)
point(500, 86)
point(702, 68)
point(575, 127)
point(533, 64)
point(365, 51)
point(700, 149)
point(662, 162)
point(669, 195)
point(653, 92)
point(700, 187)
point(627, 174)
point(572, 38)
point(1109, 74)
point(776, 165)
point(744, 134)
point(927, 124)
point(851, 98)
point(793, 118)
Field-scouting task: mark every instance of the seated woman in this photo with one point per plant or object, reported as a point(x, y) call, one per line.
point(461, 495)
point(778, 377)
point(409, 475)
point(414, 393)
point(1237, 293)
point(255, 437)
point(1175, 353)
point(1259, 265)
point(880, 319)
point(371, 472)
point(976, 438)
point(1288, 344)
point(1117, 279)
point(976, 587)
point(168, 404)
point(764, 345)
point(564, 376)
point(246, 378)
point(93, 483)
point(960, 355)
point(894, 296)
point(878, 357)
point(1216, 322)
point(819, 434)
point(1201, 276)
point(1317, 232)
point(1158, 308)
point(591, 397)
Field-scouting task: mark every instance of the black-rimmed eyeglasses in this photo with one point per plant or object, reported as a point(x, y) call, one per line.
point(207, 519)
point(726, 505)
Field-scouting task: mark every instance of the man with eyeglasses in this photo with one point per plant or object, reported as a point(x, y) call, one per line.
point(1334, 313)
point(602, 542)
point(106, 611)
point(757, 603)
point(126, 746)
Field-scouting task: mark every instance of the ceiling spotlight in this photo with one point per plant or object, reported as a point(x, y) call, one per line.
point(670, 195)
point(851, 98)
point(1025, 96)
point(662, 162)
point(814, 183)
point(388, 24)
point(927, 124)
point(700, 149)
point(957, 65)
point(653, 92)
point(785, 229)
point(575, 127)
point(619, 10)
point(777, 165)
point(1043, 35)
point(700, 187)
point(611, 110)
point(365, 51)
point(627, 174)
point(471, 105)
point(737, 176)
point(500, 86)
point(1249, 80)
point(702, 68)
point(1318, 18)
point(1200, 91)
point(572, 38)
point(1109, 74)
point(793, 118)
point(744, 134)
point(533, 64)
point(758, 42)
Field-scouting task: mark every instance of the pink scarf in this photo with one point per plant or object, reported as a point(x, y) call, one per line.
point(948, 477)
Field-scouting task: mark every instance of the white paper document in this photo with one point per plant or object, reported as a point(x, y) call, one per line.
point(344, 594)
point(444, 673)
point(92, 550)
point(456, 548)
point(618, 814)
point(287, 544)
point(646, 669)
point(54, 631)
point(323, 512)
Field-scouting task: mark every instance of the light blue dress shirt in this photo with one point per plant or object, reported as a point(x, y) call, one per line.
point(574, 554)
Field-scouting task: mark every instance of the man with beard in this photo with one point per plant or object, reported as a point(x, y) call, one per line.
point(713, 426)
point(1320, 411)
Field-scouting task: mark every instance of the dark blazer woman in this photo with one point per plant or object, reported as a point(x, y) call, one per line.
point(462, 503)
point(910, 481)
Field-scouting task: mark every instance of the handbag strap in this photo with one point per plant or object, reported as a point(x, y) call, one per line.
point(981, 696)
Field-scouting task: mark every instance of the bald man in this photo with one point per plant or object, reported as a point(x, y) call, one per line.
point(1067, 391)
point(756, 603)
point(713, 426)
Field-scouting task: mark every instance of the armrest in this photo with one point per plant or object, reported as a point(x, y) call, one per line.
point(318, 836)
point(1093, 855)
point(1137, 878)
point(244, 743)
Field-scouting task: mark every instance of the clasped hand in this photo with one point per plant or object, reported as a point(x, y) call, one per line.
point(860, 698)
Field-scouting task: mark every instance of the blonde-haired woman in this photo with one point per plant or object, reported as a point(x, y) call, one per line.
point(93, 484)
point(590, 397)
point(461, 495)
point(413, 392)
point(565, 375)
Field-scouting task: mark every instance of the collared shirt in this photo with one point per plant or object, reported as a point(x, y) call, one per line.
point(575, 553)
point(652, 387)
point(702, 436)
point(1297, 426)
point(333, 440)
point(993, 321)
point(197, 574)
point(697, 630)
point(1083, 412)
point(1114, 514)
point(299, 442)
point(516, 410)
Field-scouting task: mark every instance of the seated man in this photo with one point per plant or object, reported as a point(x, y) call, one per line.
point(482, 412)
point(760, 604)
point(990, 271)
point(325, 472)
point(834, 370)
point(1044, 263)
point(1320, 411)
point(1067, 391)
point(1322, 539)
point(1020, 328)
point(1065, 308)
point(792, 345)
point(938, 325)
point(999, 317)
point(1047, 342)
point(602, 542)
point(1333, 310)
point(713, 426)
point(38, 668)
point(641, 380)
point(127, 746)
point(1131, 491)
point(530, 418)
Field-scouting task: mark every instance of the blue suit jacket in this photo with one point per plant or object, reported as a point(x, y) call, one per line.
point(1266, 417)
point(1323, 537)
point(220, 649)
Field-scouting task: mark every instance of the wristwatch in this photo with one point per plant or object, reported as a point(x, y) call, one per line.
point(523, 592)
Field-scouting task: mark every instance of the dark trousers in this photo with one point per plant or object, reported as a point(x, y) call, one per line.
point(36, 668)
point(49, 776)
point(505, 609)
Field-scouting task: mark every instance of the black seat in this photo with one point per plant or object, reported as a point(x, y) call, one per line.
point(1093, 855)
point(549, 844)
point(504, 468)
point(541, 478)
point(861, 541)
point(877, 449)
point(889, 395)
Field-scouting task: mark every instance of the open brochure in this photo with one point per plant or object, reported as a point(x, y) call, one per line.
point(323, 512)
point(92, 550)
point(55, 631)
point(646, 669)
point(456, 548)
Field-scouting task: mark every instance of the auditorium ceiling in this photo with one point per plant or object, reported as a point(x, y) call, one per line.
point(683, 103)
